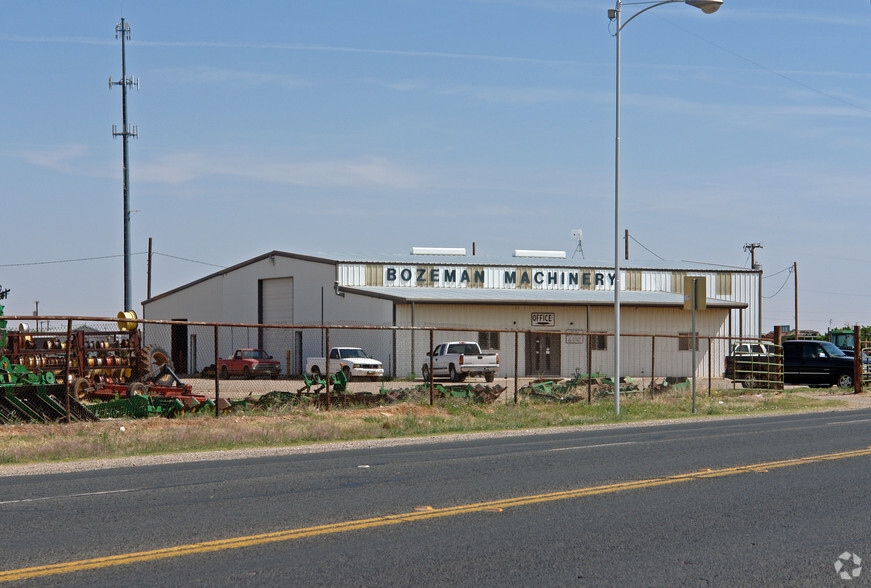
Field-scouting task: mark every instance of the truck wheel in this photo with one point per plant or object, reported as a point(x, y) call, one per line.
point(225, 373)
point(845, 381)
point(247, 373)
point(347, 371)
point(425, 371)
point(316, 372)
point(489, 376)
point(453, 375)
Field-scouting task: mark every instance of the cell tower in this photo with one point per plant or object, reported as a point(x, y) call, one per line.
point(122, 30)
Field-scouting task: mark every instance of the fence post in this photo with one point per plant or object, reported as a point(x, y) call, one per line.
point(67, 367)
point(217, 376)
point(857, 361)
point(589, 366)
point(778, 341)
point(652, 363)
point(431, 377)
point(327, 364)
point(710, 368)
point(516, 347)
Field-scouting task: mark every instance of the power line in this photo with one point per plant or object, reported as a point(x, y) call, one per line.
point(786, 269)
point(643, 247)
point(785, 280)
point(764, 68)
point(102, 257)
point(32, 263)
point(190, 260)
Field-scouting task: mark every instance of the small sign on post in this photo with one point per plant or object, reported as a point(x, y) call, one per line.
point(694, 299)
point(694, 291)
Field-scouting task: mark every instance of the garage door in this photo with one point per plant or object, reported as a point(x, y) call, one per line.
point(276, 298)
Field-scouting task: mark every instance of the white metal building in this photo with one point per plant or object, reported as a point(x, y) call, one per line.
point(554, 297)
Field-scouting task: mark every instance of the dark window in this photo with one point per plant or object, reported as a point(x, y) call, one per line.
point(685, 342)
point(599, 342)
point(488, 340)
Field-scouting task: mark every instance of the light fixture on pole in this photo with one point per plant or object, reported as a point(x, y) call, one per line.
point(708, 7)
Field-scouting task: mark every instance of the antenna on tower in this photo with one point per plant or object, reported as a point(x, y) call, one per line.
point(578, 235)
point(122, 30)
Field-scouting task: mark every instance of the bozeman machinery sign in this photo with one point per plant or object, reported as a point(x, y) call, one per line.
point(496, 277)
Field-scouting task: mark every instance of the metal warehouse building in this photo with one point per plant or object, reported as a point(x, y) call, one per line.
point(557, 299)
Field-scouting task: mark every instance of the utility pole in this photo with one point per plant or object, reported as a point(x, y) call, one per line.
point(626, 244)
point(148, 281)
point(122, 30)
point(752, 247)
point(795, 280)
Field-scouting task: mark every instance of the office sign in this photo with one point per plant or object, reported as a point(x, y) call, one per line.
point(543, 319)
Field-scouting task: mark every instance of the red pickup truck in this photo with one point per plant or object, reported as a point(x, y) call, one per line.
point(249, 363)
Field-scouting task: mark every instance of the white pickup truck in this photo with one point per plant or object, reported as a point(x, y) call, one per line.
point(355, 362)
point(459, 359)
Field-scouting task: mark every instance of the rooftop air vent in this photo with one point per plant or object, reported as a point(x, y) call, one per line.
point(534, 253)
point(438, 250)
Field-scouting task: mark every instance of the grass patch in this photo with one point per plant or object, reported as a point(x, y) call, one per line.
point(285, 426)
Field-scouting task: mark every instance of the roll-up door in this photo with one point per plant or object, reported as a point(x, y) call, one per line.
point(276, 300)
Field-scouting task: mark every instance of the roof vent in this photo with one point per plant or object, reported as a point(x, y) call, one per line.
point(438, 250)
point(534, 253)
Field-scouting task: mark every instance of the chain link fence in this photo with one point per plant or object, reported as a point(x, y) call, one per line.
point(202, 353)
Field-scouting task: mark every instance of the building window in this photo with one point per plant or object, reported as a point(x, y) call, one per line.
point(685, 342)
point(599, 342)
point(488, 340)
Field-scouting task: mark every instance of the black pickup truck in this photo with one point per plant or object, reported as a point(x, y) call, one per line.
point(803, 362)
point(816, 363)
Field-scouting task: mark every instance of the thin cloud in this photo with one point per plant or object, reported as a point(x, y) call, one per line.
point(215, 75)
point(61, 158)
point(513, 95)
point(362, 172)
point(296, 47)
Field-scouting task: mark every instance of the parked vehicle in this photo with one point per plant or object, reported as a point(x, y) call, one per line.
point(805, 362)
point(753, 364)
point(249, 363)
point(353, 361)
point(460, 359)
point(816, 363)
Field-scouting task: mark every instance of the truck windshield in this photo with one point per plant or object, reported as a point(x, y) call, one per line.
point(254, 354)
point(842, 340)
point(832, 349)
point(352, 353)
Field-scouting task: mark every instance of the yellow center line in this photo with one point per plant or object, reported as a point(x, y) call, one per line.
point(291, 534)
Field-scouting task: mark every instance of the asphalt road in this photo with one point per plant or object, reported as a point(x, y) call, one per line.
point(723, 503)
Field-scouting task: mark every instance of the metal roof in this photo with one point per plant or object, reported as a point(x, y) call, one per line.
point(529, 296)
point(510, 260)
point(482, 260)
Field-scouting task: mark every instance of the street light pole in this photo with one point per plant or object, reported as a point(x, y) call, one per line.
point(708, 7)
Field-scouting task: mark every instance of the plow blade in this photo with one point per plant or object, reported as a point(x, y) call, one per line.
point(39, 403)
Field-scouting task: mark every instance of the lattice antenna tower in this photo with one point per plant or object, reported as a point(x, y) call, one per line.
point(578, 235)
point(122, 31)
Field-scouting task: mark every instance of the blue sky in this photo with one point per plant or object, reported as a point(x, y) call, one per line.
point(374, 126)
